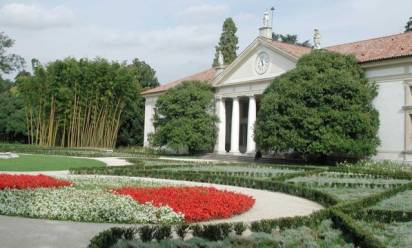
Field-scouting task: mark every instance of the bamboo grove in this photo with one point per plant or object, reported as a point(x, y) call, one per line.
point(77, 103)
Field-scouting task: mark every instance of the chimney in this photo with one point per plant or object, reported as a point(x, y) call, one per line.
point(316, 39)
point(266, 30)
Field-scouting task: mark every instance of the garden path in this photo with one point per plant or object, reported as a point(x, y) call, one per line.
point(113, 161)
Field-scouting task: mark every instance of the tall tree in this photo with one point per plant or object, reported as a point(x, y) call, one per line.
point(8, 62)
point(321, 108)
point(4, 84)
point(145, 74)
point(12, 114)
point(290, 39)
point(77, 103)
point(408, 27)
point(12, 117)
point(228, 42)
point(184, 119)
point(132, 120)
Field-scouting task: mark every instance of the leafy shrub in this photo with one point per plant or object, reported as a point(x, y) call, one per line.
point(322, 108)
point(182, 230)
point(239, 228)
point(146, 233)
point(183, 120)
point(109, 237)
point(162, 232)
point(197, 230)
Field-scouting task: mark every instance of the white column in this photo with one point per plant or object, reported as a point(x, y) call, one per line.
point(251, 146)
point(149, 110)
point(234, 143)
point(221, 113)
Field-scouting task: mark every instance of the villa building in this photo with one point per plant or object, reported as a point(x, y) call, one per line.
point(240, 85)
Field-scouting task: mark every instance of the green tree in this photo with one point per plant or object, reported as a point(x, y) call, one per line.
point(5, 84)
point(12, 114)
point(290, 39)
point(408, 27)
point(145, 74)
point(132, 121)
point(8, 62)
point(77, 103)
point(321, 108)
point(184, 118)
point(228, 42)
point(12, 117)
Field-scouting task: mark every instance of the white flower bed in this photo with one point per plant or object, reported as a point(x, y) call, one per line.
point(87, 201)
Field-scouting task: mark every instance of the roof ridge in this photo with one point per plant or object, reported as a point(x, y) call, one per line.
point(191, 75)
point(165, 86)
point(375, 38)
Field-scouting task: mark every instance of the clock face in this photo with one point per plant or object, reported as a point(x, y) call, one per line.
point(262, 63)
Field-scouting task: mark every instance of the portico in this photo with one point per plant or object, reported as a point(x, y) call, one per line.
point(237, 116)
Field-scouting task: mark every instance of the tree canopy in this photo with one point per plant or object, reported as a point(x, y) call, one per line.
point(290, 39)
point(8, 62)
point(228, 43)
point(408, 27)
point(145, 74)
point(184, 118)
point(321, 108)
point(132, 120)
point(12, 115)
point(77, 103)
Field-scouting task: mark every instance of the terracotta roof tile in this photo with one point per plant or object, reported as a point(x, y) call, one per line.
point(294, 50)
point(207, 75)
point(387, 47)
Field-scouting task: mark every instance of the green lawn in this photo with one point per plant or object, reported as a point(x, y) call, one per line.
point(46, 163)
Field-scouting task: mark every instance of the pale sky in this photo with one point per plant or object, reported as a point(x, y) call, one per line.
point(177, 37)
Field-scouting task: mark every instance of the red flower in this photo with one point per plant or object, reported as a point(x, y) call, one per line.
point(196, 203)
point(30, 182)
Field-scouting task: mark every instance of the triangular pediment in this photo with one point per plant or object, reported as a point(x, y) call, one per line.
point(243, 68)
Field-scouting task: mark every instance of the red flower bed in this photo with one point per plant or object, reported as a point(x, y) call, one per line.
point(30, 182)
point(196, 203)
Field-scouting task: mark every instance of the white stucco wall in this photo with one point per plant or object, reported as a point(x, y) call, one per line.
point(150, 102)
point(390, 103)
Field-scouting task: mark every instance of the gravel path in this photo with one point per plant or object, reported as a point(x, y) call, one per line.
point(113, 161)
point(35, 233)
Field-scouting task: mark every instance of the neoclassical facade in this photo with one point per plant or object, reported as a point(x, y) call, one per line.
point(240, 85)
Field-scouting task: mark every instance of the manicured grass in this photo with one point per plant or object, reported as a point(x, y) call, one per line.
point(401, 202)
point(46, 163)
point(396, 234)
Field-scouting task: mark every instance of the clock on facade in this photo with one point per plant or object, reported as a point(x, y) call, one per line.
point(262, 63)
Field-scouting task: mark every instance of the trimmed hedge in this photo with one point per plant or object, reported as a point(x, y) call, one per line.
point(355, 206)
point(379, 172)
point(269, 225)
point(285, 177)
point(359, 236)
point(385, 216)
point(108, 238)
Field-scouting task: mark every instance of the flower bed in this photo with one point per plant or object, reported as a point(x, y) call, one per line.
point(85, 199)
point(83, 205)
point(30, 182)
point(195, 203)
